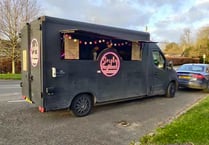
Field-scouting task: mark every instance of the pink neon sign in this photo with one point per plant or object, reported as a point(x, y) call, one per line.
point(110, 64)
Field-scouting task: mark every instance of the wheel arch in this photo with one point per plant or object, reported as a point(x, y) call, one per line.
point(174, 81)
point(92, 96)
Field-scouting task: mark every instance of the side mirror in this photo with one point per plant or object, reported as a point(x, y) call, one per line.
point(170, 64)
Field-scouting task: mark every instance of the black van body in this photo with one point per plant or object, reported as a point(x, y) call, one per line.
point(69, 64)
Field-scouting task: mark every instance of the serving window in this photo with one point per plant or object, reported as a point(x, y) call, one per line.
point(82, 45)
point(71, 48)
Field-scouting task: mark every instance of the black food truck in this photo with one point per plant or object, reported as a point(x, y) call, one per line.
point(76, 65)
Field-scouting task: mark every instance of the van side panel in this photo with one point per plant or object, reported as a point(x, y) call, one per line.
point(82, 76)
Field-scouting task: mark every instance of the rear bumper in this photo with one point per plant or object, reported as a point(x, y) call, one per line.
point(193, 85)
point(27, 99)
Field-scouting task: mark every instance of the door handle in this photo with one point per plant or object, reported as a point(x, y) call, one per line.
point(31, 78)
point(21, 84)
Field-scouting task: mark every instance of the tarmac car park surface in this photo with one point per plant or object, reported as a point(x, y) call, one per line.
point(115, 124)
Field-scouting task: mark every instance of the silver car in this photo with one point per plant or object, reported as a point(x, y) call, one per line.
point(195, 76)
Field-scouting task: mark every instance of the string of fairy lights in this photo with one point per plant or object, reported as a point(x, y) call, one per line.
point(99, 41)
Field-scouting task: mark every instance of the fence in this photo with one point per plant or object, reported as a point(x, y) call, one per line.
point(182, 60)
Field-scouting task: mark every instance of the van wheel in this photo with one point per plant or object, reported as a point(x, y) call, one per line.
point(171, 90)
point(81, 105)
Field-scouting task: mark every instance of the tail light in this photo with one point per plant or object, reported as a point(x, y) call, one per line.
point(198, 76)
point(41, 109)
point(24, 97)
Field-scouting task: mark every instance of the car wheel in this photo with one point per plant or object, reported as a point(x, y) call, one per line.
point(81, 105)
point(171, 90)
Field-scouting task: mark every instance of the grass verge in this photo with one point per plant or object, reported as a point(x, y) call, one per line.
point(10, 76)
point(192, 128)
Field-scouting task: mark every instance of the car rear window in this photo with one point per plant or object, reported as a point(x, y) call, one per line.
point(195, 68)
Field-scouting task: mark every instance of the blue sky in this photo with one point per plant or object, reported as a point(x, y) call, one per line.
point(165, 19)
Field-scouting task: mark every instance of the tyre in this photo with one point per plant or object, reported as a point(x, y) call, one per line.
point(81, 105)
point(171, 90)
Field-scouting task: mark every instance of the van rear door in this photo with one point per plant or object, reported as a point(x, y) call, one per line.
point(31, 74)
point(35, 63)
point(25, 45)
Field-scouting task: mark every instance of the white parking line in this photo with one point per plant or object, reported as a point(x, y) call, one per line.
point(16, 101)
point(9, 87)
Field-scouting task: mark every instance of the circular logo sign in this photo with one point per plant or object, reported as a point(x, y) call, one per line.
point(110, 64)
point(34, 52)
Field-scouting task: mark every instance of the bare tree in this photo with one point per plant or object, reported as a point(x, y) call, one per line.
point(13, 15)
point(185, 40)
point(202, 42)
point(172, 49)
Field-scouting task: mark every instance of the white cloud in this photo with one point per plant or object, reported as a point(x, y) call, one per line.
point(200, 2)
point(164, 18)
